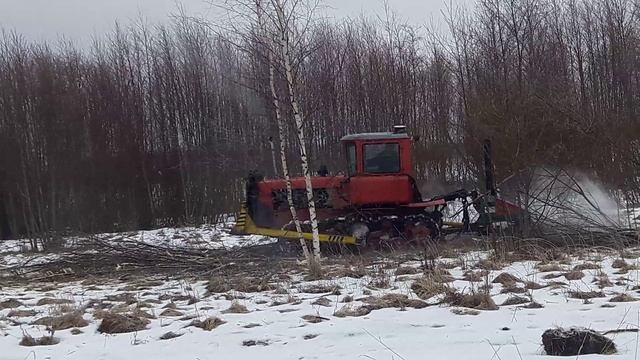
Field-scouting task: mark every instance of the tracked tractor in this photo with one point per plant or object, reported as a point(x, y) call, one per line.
point(375, 202)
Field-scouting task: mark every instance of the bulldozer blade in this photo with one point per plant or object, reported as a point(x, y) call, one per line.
point(245, 226)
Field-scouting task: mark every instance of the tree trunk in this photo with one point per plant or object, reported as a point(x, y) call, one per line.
point(297, 115)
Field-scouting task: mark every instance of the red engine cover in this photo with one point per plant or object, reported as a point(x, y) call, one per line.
point(380, 190)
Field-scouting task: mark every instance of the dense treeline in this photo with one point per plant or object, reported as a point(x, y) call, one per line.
point(158, 126)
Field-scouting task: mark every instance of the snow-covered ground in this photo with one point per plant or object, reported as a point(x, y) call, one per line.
point(274, 327)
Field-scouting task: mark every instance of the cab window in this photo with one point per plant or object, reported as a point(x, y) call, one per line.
point(351, 159)
point(382, 158)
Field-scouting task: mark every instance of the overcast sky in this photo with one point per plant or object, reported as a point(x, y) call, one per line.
point(78, 20)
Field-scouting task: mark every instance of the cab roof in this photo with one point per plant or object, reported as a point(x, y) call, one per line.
point(375, 136)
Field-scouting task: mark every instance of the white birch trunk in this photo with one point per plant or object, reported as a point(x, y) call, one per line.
point(297, 115)
point(283, 158)
point(281, 136)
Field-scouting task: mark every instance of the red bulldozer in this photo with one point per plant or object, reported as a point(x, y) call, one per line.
point(376, 202)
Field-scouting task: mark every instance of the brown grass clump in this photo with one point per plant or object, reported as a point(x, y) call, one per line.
point(218, 285)
point(352, 311)
point(22, 313)
point(515, 300)
point(603, 282)
point(170, 335)
point(533, 305)
point(10, 304)
point(171, 312)
point(66, 321)
point(619, 264)
point(113, 323)
point(531, 285)
point(440, 275)
point(349, 271)
point(28, 340)
point(623, 298)
point(208, 324)
point(554, 285)
point(381, 282)
point(321, 289)
point(314, 319)
point(574, 275)
point(406, 270)
point(427, 287)
point(463, 311)
point(236, 308)
point(488, 264)
point(322, 301)
point(475, 276)
point(505, 279)
point(549, 267)
point(512, 288)
point(347, 299)
point(552, 276)
point(474, 300)
point(51, 301)
point(393, 301)
point(585, 295)
point(586, 266)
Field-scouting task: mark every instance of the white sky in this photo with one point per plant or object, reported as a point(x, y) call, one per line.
point(79, 20)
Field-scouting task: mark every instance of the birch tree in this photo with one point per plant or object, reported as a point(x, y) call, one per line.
point(285, 23)
point(281, 129)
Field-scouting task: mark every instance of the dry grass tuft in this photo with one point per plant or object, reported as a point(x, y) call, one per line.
point(22, 313)
point(406, 270)
point(574, 275)
point(208, 324)
point(322, 301)
point(393, 301)
point(586, 266)
point(515, 300)
point(513, 288)
point(475, 276)
point(505, 279)
point(352, 311)
point(488, 264)
point(619, 264)
point(623, 298)
point(236, 308)
point(171, 312)
point(66, 321)
point(170, 335)
point(533, 305)
point(113, 323)
point(10, 304)
point(473, 300)
point(552, 276)
point(603, 281)
point(463, 311)
point(549, 267)
point(52, 301)
point(348, 271)
point(347, 299)
point(321, 289)
point(585, 295)
point(532, 285)
point(381, 282)
point(28, 340)
point(314, 319)
point(427, 287)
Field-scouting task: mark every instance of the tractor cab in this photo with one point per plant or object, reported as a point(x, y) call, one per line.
point(381, 153)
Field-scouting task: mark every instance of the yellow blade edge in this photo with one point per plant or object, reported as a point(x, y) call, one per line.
point(245, 226)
